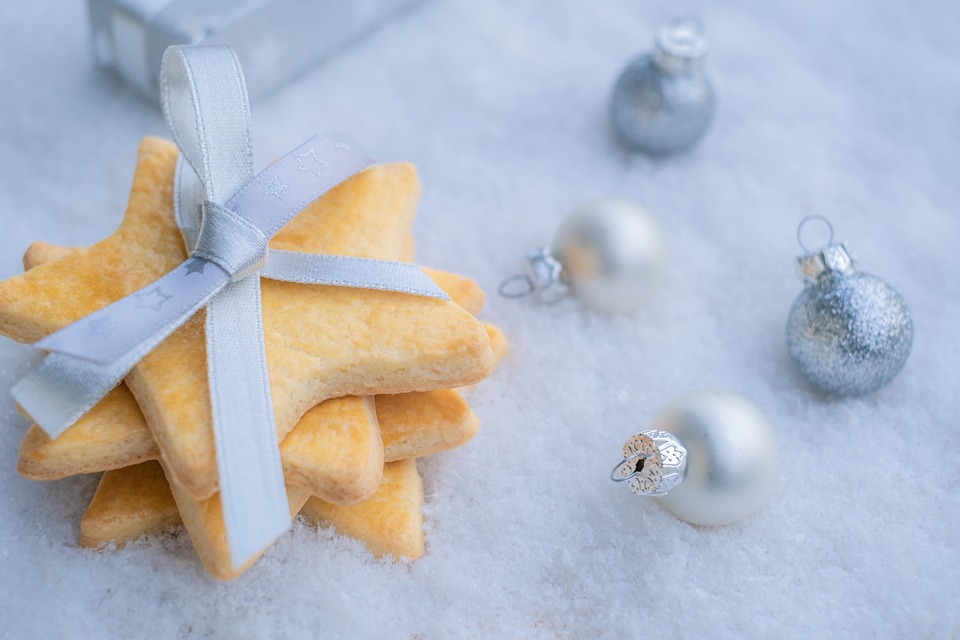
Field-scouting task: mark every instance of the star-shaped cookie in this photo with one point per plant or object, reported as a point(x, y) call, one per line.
point(137, 501)
point(334, 452)
point(322, 342)
point(133, 500)
point(390, 523)
point(114, 434)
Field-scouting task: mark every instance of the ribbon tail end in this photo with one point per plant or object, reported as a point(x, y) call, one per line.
point(248, 543)
point(30, 397)
point(60, 389)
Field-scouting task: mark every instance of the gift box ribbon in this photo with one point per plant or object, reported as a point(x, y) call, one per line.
point(227, 216)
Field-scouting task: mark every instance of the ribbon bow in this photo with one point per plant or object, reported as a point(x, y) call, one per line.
point(227, 217)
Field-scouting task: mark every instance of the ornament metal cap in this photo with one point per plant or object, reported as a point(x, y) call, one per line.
point(543, 279)
point(654, 462)
point(680, 45)
point(831, 257)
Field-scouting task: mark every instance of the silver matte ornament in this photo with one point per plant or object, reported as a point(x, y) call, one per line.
point(609, 253)
point(662, 102)
point(848, 332)
point(711, 458)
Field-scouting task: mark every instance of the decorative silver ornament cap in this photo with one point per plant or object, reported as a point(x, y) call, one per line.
point(680, 45)
point(654, 462)
point(546, 273)
point(543, 279)
point(831, 257)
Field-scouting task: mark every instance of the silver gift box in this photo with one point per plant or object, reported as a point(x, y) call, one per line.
point(276, 40)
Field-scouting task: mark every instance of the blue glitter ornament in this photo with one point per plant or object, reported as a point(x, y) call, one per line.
point(848, 332)
point(663, 102)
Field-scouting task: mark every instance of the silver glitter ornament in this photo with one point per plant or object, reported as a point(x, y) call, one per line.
point(609, 253)
point(711, 458)
point(663, 102)
point(848, 332)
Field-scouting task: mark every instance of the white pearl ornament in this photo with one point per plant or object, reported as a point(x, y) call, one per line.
point(711, 458)
point(609, 253)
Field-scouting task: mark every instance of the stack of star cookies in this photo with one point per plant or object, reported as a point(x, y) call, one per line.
point(362, 381)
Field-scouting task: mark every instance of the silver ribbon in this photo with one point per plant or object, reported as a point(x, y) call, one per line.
point(227, 216)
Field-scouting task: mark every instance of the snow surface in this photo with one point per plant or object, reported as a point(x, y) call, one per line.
point(848, 109)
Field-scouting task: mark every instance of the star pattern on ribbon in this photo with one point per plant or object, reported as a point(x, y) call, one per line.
point(274, 187)
point(310, 163)
point(152, 299)
point(196, 266)
point(103, 327)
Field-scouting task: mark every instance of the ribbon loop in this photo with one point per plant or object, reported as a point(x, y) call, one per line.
point(230, 242)
point(208, 113)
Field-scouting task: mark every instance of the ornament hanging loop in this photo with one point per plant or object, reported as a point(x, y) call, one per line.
point(830, 257)
point(543, 279)
point(804, 223)
point(511, 288)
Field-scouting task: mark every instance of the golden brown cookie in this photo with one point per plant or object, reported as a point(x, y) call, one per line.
point(462, 289)
point(411, 425)
point(203, 520)
point(42, 252)
point(499, 345)
point(498, 342)
point(349, 445)
point(137, 500)
point(321, 342)
point(390, 523)
point(409, 249)
point(424, 423)
point(128, 503)
point(114, 434)
point(336, 451)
